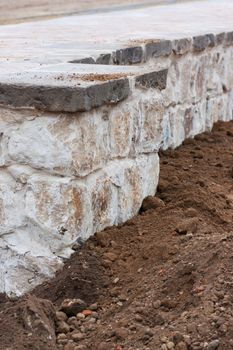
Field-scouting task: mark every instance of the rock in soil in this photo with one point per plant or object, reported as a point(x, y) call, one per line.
point(151, 202)
point(72, 306)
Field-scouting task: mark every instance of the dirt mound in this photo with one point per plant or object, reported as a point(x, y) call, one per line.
point(83, 276)
point(28, 323)
point(162, 281)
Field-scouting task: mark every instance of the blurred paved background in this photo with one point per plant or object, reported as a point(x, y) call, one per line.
point(13, 11)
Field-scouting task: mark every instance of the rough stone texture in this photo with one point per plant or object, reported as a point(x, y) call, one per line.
point(72, 87)
point(104, 58)
point(153, 79)
point(130, 55)
point(181, 46)
point(220, 38)
point(229, 38)
point(64, 173)
point(212, 40)
point(67, 99)
point(87, 60)
point(44, 216)
point(159, 48)
point(201, 42)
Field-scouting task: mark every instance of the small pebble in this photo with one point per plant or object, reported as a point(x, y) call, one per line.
point(77, 336)
point(157, 304)
point(121, 333)
point(80, 316)
point(94, 307)
point(92, 320)
point(71, 320)
point(87, 313)
point(138, 318)
point(213, 345)
point(69, 346)
point(80, 347)
point(63, 327)
point(181, 346)
point(61, 316)
point(103, 346)
point(61, 336)
point(170, 345)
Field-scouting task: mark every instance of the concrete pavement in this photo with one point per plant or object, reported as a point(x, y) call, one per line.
point(14, 11)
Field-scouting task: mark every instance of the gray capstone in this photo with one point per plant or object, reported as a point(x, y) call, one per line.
point(212, 40)
point(129, 55)
point(64, 98)
point(86, 60)
point(181, 46)
point(229, 38)
point(158, 48)
point(201, 42)
point(153, 80)
point(104, 59)
point(220, 38)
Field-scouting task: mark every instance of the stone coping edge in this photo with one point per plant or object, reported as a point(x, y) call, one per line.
point(64, 98)
point(147, 49)
point(84, 98)
point(76, 98)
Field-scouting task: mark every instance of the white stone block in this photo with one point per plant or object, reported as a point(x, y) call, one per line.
point(11, 204)
point(32, 143)
point(121, 126)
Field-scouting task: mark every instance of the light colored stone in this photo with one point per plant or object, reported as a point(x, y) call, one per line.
point(121, 131)
point(58, 207)
point(103, 201)
point(32, 143)
point(199, 77)
point(173, 127)
point(138, 179)
point(152, 111)
point(19, 272)
point(68, 145)
point(178, 88)
point(49, 213)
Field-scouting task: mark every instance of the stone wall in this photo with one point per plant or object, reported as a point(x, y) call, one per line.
point(65, 176)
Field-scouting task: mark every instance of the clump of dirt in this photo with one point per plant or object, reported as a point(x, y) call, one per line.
point(28, 323)
point(161, 281)
point(93, 76)
point(134, 42)
point(104, 77)
point(83, 276)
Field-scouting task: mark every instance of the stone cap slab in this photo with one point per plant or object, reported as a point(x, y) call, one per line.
point(106, 50)
point(74, 88)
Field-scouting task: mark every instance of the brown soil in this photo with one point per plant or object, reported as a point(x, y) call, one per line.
point(163, 280)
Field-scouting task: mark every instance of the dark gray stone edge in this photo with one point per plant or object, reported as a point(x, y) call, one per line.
point(64, 99)
point(160, 48)
point(78, 98)
point(153, 80)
